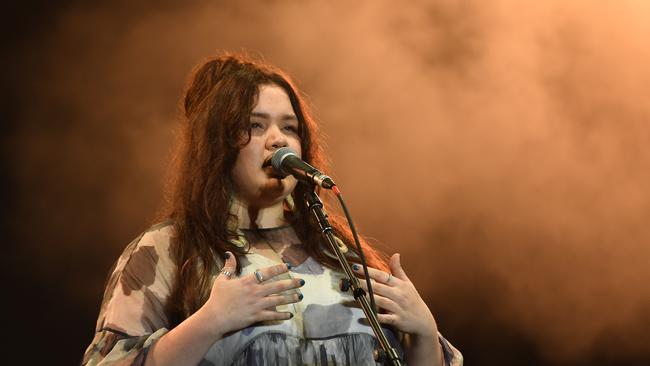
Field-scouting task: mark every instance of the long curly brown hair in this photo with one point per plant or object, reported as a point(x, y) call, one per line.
point(216, 111)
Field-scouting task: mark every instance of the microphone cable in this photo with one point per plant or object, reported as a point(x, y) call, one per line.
point(371, 294)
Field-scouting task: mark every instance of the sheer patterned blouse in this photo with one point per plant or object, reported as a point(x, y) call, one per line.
point(327, 327)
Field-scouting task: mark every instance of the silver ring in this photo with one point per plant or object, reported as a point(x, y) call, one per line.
point(226, 273)
point(258, 276)
point(389, 277)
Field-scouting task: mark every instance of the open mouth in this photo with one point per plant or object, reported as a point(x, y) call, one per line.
point(267, 162)
point(268, 169)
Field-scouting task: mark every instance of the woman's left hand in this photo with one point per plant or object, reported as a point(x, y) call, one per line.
point(396, 295)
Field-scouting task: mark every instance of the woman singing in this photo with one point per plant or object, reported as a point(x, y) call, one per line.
point(237, 272)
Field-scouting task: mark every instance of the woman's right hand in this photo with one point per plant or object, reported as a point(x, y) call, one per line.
point(236, 303)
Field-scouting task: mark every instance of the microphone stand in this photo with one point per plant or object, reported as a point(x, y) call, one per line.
point(315, 205)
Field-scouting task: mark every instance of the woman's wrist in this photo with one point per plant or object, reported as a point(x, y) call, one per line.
point(188, 342)
point(209, 325)
point(425, 340)
point(429, 330)
point(424, 347)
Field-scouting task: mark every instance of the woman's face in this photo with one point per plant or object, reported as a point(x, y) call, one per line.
point(273, 125)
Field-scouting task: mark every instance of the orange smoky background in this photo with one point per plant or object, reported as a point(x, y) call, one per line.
point(501, 147)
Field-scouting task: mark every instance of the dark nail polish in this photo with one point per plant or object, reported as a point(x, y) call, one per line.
point(290, 315)
point(302, 282)
point(355, 267)
point(300, 296)
point(345, 284)
point(288, 265)
point(227, 255)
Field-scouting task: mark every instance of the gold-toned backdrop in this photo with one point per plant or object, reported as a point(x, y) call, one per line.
point(501, 147)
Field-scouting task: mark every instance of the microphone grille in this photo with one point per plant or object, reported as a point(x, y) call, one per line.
point(279, 155)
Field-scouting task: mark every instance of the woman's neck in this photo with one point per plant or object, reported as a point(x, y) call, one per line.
point(249, 217)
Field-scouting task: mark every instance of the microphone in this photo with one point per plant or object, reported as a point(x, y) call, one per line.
point(285, 161)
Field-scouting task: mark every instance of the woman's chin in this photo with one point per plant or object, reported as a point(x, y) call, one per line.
point(273, 191)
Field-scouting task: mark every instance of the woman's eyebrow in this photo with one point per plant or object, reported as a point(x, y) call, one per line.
point(258, 114)
point(286, 117)
point(289, 117)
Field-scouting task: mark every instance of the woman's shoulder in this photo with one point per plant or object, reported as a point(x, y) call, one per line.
point(158, 235)
point(148, 255)
point(139, 283)
point(154, 240)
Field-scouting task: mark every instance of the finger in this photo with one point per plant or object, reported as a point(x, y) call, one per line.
point(266, 315)
point(277, 300)
point(378, 288)
point(266, 273)
point(387, 304)
point(396, 267)
point(377, 275)
point(272, 271)
point(279, 286)
point(229, 265)
point(390, 319)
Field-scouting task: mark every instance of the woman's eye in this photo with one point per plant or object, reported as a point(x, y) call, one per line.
point(256, 125)
point(293, 129)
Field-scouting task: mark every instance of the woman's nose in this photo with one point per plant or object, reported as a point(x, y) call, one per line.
point(275, 139)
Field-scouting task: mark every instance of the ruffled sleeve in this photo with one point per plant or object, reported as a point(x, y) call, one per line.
point(452, 356)
point(132, 315)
